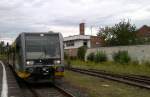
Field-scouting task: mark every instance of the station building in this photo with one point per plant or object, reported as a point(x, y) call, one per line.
point(72, 43)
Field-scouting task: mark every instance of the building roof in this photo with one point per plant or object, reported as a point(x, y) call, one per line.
point(77, 37)
point(144, 31)
point(144, 27)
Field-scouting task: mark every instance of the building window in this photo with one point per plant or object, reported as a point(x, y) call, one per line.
point(84, 43)
point(97, 43)
point(70, 43)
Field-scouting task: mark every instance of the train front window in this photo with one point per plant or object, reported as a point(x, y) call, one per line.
point(42, 46)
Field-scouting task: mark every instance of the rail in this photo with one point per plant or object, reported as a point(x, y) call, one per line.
point(135, 80)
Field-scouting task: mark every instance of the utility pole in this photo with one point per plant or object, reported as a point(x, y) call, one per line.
point(91, 30)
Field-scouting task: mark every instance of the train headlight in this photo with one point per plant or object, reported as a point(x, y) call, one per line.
point(57, 62)
point(30, 63)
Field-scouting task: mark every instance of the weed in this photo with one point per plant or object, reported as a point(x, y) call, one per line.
point(121, 57)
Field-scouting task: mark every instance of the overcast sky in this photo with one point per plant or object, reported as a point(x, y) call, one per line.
point(64, 15)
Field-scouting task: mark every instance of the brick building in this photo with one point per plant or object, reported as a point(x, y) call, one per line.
point(72, 43)
point(144, 32)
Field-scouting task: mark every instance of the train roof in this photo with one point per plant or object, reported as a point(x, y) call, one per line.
point(39, 33)
point(50, 32)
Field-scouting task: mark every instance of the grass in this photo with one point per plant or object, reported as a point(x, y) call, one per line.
point(2, 57)
point(130, 68)
point(97, 87)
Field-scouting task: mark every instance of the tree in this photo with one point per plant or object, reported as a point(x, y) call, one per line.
point(123, 33)
point(81, 52)
point(2, 47)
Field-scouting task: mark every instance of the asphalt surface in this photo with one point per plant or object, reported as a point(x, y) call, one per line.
point(13, 88)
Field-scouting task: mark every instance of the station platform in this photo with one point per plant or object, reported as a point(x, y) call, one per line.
point(8, 84)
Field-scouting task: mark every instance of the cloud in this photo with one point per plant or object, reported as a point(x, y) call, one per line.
point(64, 15)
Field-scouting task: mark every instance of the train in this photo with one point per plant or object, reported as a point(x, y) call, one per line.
point(37, 56)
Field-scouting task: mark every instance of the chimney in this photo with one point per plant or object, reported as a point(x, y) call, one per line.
point(81, 28)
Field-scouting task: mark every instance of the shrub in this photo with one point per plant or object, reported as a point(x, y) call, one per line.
point(135, 62)
point(147, 63)
point(66, 56)
point(90, 57)
point(121, 57)
point(100, 57)
point(81, 52)
point(72, 57)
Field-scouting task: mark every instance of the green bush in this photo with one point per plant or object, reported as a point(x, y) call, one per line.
point(135, 62)
point(81, 52)
point(147, 63)
point(90, 57)
point(72, 57)
point(100, 57)
point(121, 57)
point(66, 56)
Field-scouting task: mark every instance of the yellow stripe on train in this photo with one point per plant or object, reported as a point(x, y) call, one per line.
point(23, 74)
point(59, 74)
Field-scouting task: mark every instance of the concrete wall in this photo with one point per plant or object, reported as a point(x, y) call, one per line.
point(71, 52)
point(137, 52)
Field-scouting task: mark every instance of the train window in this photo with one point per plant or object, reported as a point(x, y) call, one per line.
point(47, 46)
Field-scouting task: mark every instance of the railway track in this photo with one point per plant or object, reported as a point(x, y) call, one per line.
point(44, 90)
point(135, 80)
point(41, 89)
point(63, 91)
